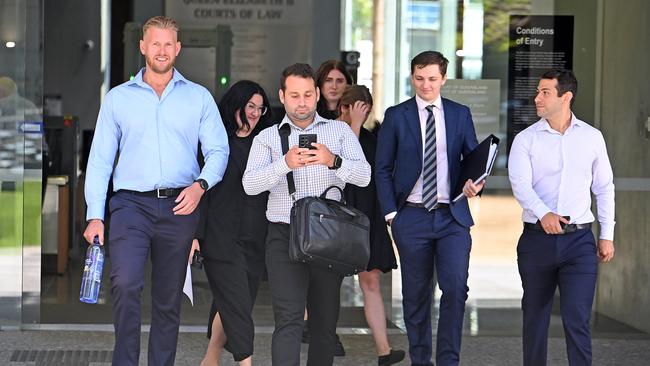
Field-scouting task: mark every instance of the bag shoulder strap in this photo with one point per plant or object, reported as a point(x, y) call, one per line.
point(285, 131)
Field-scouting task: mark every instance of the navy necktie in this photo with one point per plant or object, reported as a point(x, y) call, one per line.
point(429, 175)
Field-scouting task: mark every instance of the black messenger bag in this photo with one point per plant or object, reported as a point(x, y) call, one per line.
point(326, 232)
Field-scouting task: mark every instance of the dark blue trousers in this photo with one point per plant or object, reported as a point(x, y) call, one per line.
point(427, 241)
point(546, 262)
point(140, 227)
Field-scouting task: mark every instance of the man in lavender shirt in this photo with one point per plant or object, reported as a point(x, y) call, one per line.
point(554, 166)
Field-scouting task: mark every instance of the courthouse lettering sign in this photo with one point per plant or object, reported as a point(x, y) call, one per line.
point(268, 35)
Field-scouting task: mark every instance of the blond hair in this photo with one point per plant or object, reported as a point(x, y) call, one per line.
point(160, 22)
point(7, 86)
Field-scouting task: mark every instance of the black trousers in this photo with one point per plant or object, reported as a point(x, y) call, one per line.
point(294, 285)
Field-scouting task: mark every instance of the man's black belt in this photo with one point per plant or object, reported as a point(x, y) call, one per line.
point(438, 205)
point(157, 193)
point(568, 228)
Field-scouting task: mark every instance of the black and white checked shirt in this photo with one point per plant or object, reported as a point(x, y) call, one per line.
point(266, 169)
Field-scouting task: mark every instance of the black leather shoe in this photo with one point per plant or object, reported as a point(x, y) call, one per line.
point(339, 351)
point(393, 357)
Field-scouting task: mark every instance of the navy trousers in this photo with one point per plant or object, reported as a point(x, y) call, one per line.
point(546, 262)
point(427, 241)
point(142, 226)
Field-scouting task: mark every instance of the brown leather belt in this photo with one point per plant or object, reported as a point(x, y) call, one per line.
point(568, 228)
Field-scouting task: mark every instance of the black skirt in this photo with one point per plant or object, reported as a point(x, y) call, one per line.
point(382, 255)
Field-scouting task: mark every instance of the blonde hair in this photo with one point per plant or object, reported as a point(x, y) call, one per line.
point(160, 22)
point(7, 86)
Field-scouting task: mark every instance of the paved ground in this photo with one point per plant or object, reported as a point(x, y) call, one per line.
point(492, 321)
point(483, 350)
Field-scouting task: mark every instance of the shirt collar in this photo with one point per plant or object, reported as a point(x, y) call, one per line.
point(422, 104)
point(317, 119)
point(137, 79)
point(545, 126)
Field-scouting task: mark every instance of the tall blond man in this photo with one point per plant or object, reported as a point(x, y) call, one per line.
point(155, 121)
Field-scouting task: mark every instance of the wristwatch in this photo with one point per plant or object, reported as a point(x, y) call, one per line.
point(337, 162)
point(203, 184)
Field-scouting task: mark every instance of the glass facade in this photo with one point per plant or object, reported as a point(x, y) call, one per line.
point(21, 131)
point(472, 34)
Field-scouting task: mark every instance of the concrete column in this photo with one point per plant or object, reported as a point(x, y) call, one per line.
point(623, 291)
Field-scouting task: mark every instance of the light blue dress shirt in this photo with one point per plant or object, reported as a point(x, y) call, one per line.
point(157, 140)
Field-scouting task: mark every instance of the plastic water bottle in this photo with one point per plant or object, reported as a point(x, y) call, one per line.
point(91, 279)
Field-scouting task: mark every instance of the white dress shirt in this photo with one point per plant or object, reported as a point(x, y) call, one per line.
point(442, 167)
point(267, 168)
point(554, 172)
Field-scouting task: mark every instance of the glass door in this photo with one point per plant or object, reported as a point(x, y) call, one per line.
point(21, 149)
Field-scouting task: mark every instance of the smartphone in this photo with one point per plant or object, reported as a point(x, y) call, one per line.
point(564, 226)
point(305, 140)
point(197, 260)
point(568, 218)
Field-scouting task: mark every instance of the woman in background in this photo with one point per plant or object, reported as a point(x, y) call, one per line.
point(232, 230)
point(331, 78)
point(354, 106)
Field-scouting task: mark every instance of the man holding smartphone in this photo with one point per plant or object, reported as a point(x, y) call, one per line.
point(336, 159)
point(554, 166)
point(305, 141)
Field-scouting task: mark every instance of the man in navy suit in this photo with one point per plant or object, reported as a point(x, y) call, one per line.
point(420, 145)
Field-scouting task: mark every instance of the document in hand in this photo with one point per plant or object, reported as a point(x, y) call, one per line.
point(477, 165)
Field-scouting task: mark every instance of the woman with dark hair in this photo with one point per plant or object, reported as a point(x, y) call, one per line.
point(354, 106)
point(232, 230)
point(331, 78)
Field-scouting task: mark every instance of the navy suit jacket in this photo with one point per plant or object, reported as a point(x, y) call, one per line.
point(399, 154)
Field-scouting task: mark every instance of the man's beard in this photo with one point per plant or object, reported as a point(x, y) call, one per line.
point(154, 66)
point(303, 116)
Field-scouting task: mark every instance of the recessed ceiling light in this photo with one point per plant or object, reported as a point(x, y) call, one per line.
point(10, 44)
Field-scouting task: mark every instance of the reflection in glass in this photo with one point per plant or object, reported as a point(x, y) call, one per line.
point(20, 161)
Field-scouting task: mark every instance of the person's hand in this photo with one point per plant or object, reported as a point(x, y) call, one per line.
point(188, 200)
point(551, 223)
point(392, 215)
point(605, 250)
point(470, 189)
point(195, 246)
point(358, 114)
point(321, 155)
point(294, 157)
point(95, 228)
